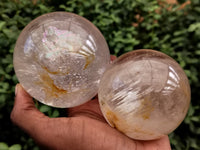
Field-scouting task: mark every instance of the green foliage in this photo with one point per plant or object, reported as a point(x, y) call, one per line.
point(4, 146)
point(49, 111)
point(126, 25)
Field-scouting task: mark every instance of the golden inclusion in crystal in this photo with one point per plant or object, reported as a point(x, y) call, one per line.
point(59, 58)
point(145, 94)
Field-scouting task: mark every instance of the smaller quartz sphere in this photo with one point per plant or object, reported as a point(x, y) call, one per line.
point(145, 94)
point(59, 58)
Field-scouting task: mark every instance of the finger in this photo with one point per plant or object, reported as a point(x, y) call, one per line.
point(112, 57)
point(24, 113)
point(162, 143)
point(22, 98)
point(90, 109)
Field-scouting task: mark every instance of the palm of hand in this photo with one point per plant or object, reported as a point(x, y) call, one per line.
point(93, 124)
point(83, 129)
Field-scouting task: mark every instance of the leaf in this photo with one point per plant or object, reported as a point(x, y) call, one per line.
point(15, 147)
point(44, 108)
point(2, 23)
point(197, 52)
point(193, 27)
point(55, 114)
point(195, 118)
point(3, 146)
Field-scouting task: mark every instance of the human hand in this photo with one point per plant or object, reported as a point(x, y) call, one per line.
point(84, 129)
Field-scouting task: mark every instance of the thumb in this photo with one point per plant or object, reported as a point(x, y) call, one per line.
point(22, 99)
point(24, 113)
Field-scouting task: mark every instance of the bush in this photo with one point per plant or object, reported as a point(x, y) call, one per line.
point(126, 25)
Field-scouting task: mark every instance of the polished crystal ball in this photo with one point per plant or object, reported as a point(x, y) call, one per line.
point(145, 94)
point(59, 58)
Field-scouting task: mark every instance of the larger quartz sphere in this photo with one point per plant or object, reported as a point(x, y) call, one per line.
point(144, 94)
point(59, 58)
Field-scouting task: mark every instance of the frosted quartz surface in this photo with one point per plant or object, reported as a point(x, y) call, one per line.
point(145, 94)
point(59, 58)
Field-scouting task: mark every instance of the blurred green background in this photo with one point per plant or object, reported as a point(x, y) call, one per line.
point(127, 25)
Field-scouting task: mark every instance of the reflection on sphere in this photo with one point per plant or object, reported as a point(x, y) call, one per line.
point(145, 94)
point(59, 58)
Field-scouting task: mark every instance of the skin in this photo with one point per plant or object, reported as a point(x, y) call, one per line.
point(84, 129)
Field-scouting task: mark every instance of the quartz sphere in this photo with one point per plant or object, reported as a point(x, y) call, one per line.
point(145, 94)
point(59, 58)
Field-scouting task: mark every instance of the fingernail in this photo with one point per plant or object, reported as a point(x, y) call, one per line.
point(16, 87)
